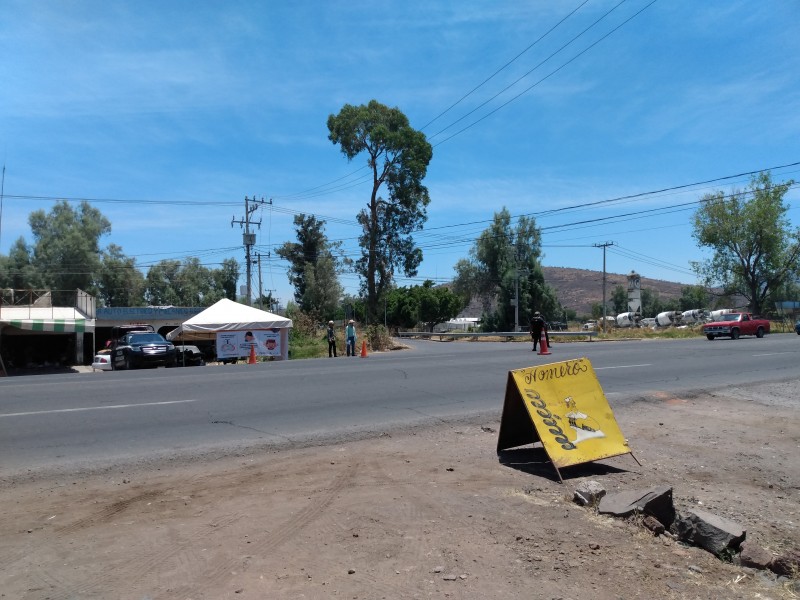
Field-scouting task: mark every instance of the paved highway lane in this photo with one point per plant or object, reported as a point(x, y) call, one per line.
point(89, 420)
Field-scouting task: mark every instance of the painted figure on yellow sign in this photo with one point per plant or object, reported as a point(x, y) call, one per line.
point(580, 422)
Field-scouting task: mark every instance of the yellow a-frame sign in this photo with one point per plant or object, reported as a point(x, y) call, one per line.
point(563, 406)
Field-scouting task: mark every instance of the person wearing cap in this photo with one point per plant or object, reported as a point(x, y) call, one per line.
point(537, 326)
point(331, 340)
point(350, 338)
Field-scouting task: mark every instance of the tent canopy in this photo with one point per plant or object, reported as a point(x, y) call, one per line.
point(227, 315)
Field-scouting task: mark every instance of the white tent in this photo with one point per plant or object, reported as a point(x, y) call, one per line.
point(231, 318)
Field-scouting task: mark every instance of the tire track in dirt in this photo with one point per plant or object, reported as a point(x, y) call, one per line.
point(140, 565)
point(420, 505)
point(365, 519)
point(273, 540)
point(107, 513)
point(415, 506)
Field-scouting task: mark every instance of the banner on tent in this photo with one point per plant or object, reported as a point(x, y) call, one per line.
point(237, 344)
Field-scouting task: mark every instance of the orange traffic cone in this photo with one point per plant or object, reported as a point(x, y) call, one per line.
point(252, 359)
point(363, 348)
point(543, 349)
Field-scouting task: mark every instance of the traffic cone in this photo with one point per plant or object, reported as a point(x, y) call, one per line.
point(543, 349)
point(363, 348)
point(252, 359)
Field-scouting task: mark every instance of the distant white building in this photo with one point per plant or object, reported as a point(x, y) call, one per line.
point(459, 324)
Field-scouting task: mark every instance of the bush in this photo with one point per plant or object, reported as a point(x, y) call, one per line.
point(306, 339)
point(378, 338)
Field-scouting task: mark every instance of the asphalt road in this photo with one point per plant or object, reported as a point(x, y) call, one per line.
point(72, 422)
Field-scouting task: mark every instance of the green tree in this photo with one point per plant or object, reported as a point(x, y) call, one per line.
point(163, 283)
point(692, 297)
point(197, 284)
point(66, 249)
point(226, 277)
point(619, 300)
point(437, 304)
point(120, 282)
point(426, 304)
point(755, 250)
point(653, 304)
point(597, 310)
point(398, 157)
point(313, 267)
point(502, 258)
point(323, 289)
point(402, 308)
point(354, 308)
point(188, 283)
point(17, 271)
point(266, 302)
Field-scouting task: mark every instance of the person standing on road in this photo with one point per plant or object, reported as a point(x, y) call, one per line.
point(331, 340)
point(350, 338)
point(537, 326)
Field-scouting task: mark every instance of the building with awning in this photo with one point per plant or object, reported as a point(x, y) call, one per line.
point(36, 334)
point(56, 319)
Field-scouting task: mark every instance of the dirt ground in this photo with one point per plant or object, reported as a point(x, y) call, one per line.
point(425, 513)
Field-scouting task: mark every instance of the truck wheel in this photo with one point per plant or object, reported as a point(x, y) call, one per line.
point(734, 334)
point(127, 363)
point(710, 336)
point(760, 332)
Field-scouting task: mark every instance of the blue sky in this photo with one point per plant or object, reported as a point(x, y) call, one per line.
point(165, 115)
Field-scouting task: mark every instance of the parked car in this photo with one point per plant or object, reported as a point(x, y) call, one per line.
point(797, 327)
point(142, 349)
point(189, 356)
point(102, 361)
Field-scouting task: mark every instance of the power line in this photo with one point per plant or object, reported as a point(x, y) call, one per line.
point(546, 77)
point(498, 71)
point(516, 81)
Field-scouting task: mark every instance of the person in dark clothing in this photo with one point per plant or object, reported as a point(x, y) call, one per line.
point(538, 325)
point(331, 340)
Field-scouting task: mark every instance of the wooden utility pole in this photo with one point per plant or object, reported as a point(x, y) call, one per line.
point(604, 246)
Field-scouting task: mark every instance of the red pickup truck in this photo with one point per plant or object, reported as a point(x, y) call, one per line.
point(735, 324)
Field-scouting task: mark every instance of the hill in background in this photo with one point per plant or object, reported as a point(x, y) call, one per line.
point(578, 289)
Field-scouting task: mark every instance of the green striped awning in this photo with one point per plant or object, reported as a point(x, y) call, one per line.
point(50, 325)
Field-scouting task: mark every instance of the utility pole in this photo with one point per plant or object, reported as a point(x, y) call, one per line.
point(260, 289)
point(248, 238)
point(2, 190)
point(516, 289)
point(260, 286)
point(516, 295)
point(604, 246)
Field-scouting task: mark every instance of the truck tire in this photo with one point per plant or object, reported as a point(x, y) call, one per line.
point(760, 332)
point(710, 336)
point(734, 334)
